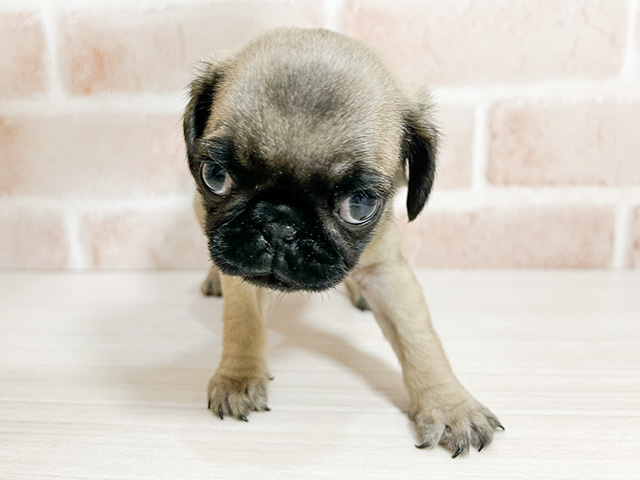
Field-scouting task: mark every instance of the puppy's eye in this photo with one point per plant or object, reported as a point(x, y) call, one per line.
point(359, 208)
point(216, 178)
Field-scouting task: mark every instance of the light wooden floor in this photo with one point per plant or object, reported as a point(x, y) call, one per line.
point(104, 376)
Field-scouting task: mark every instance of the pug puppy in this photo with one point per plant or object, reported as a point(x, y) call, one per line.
point(297, 144)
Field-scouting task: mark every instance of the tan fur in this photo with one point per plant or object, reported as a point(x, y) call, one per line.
point(306, 133)
point(442, 410)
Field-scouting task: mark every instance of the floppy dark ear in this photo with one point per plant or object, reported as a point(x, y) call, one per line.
point(201, 95)
point(420, 147)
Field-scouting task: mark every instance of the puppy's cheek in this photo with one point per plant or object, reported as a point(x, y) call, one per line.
point(352, 249)
point(321, 255)
point(235, 251)
point(315, 275)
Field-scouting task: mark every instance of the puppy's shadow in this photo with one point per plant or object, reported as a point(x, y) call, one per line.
point(287, 319)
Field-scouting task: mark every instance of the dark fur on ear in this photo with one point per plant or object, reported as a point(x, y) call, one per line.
point(419, 150)
point(201, 95)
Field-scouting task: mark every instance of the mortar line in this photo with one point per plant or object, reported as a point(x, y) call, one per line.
point(622, 239)
point(51, 32)
point(78, 258)
point(480, 150)
point(334, 15)
point(507, 197)
point(630, 56)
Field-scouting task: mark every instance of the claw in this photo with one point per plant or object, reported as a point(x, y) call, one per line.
point(424, 445)
point(209, 405)
point(458, 452)
point(243, 418)
point(220, 413)
point(495, 423)
point(266, 408)
point(481, 447)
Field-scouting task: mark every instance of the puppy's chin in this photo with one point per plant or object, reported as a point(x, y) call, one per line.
point(273, 281)
point(281, 278)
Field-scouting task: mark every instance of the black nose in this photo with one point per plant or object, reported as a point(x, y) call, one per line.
point(276, 233)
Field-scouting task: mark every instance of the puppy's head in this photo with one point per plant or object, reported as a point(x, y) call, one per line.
point(296, 144)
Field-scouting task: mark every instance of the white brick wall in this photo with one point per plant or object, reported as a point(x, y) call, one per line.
point(539, 103)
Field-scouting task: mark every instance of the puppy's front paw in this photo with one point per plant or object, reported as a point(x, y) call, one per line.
point(236, 397)
point(457, 425)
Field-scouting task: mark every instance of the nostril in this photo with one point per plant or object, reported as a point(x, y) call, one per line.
point(276, 232)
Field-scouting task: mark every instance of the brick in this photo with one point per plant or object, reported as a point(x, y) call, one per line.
point(463, 42)
point(568, 144)
point(635, 255)
point(108, 155)
point(32, 238)
point(216, 27)
point(156, 51)
point(528, 237)
point(148, 238)
point(124, 52)
point(456, 147)
point(22, 54)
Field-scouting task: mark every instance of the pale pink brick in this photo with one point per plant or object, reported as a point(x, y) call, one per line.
point(635, 260)
point(146, 238)
point(22, 53)
point(558, 236)
point(32, 238)
point(216, 27)
point(124, 51)
point(566, 144)
point(463, 42)
point(109, 155)
point(456, 147)
point(138, 50)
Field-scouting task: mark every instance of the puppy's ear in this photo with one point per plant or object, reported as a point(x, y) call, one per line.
point(201, 96)
point(419, 150)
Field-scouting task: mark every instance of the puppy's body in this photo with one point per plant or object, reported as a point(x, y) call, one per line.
point(297, 144)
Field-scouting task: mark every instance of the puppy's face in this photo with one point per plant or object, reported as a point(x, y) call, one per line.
point(296, 145)
point(286, 225)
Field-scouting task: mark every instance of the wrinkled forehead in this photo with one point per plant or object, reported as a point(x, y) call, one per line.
point(275, 145)
point(293, 122)
point(301, 151)
point(305, 160)
point(336, 173)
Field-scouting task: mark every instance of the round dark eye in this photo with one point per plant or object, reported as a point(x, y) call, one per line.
point(216, 178)
point(359, 207)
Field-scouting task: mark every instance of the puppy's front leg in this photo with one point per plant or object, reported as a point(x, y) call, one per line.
point(442, 410)
point(239, 386)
